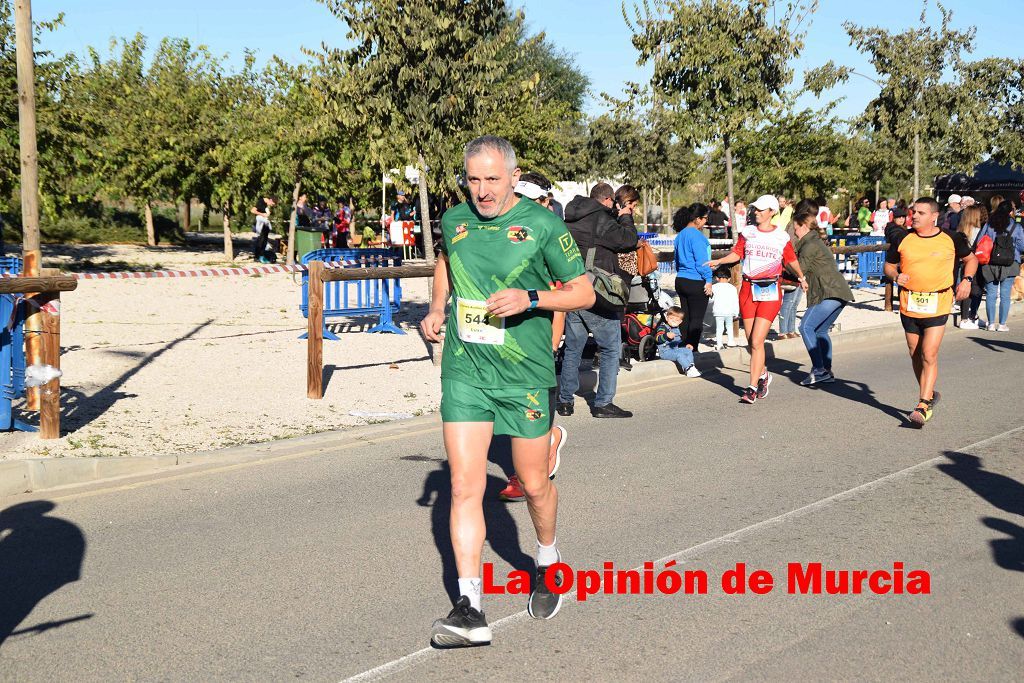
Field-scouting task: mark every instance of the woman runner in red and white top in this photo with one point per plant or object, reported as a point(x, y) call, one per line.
point(764, 249)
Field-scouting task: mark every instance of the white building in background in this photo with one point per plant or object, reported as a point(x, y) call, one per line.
point(565, 190)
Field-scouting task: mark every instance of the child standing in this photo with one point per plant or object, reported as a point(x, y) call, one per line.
point(725, 305)
point(670, 342)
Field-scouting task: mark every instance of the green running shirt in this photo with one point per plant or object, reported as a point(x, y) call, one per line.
point(529, 247)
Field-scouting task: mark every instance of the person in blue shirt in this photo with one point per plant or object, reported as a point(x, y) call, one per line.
point(693, 276)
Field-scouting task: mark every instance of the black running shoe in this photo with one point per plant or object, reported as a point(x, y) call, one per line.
point(610, 410)
point(543, 603)
point(463, 627)
point(763, 383)
point(565, 409)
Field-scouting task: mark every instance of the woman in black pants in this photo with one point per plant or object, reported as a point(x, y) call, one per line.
point(693, 276)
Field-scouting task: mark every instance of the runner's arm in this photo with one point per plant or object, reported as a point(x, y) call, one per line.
point(574, 295)
point(431, 323)
point(970, 261)
point(735, 256)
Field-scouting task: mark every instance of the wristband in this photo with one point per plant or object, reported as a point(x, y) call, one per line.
point(534, 298)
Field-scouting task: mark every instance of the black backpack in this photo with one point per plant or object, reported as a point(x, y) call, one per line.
point(1003, 251)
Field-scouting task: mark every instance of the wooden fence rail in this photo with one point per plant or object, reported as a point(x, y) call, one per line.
point(47, 289)
point(319, 275)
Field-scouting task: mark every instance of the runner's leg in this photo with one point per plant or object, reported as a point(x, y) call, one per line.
point(757, 333)
point(530, 458)
point(914, 346)
point(467, 444)
point(929, 352)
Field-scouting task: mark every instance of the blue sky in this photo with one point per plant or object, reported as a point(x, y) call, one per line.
point(592, 31)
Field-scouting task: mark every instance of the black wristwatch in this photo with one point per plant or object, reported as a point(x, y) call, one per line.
point(969, 278)
point(534, 298)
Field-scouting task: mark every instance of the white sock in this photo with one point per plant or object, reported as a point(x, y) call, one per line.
point(547, 555)
point(471, 589)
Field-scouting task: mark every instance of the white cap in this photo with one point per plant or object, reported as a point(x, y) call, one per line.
point(530, 190)
point(954, 199)
point(969, 201)
point(766, 201)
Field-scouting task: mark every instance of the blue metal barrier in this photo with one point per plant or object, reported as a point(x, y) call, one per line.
point(12, 352)
point(870, 263)
point(357, 297)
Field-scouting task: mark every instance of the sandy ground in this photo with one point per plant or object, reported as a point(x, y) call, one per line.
point(169, 366)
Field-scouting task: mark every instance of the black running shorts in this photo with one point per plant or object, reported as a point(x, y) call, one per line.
point(919, 325)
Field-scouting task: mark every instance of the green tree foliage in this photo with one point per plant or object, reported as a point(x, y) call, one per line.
point(719, 65)
point(917, 104)
point(55, 124)
point(425, 76)
point(799, 153)
point(992, 115)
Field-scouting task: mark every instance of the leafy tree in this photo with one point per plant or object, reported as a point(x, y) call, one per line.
point(55, 128)
point(718, 64)
point(916, 105)
point(801, 153)
point(992, 118)
point(423, 77)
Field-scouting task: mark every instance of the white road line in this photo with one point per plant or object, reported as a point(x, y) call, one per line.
point(409, 660)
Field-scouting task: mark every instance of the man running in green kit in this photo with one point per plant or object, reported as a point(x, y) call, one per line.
point(500, 258)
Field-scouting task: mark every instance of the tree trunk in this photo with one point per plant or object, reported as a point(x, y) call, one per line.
point(917, 165)
point(878, 184)
point(32, 255)
point(647, 208)
point(205, 220)
point(150, 228)
point(293, 220)
point(428, 235)
point(229, 249)
point(668, 216)
point(728, 181)
point(186, 216)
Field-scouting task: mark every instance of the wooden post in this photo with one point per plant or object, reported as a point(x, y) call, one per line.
point(49, 415)
point(186, 216)
point(229, 248)
point(32, 255)
point(315, 341)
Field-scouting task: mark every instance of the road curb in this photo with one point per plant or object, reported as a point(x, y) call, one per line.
point(40, 474)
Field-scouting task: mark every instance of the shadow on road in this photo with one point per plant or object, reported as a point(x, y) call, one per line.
point(998, 345)
point(38, 555)
point(502, 531)
point(1002, 492)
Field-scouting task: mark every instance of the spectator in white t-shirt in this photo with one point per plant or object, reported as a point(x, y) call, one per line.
point(881, 218)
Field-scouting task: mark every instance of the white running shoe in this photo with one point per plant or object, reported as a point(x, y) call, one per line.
point(1002, 328)
point(967, 324)
point(692, 371)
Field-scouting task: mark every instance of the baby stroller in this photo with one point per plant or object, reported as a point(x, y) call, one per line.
point(644, 311)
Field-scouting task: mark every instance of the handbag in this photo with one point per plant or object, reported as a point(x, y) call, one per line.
point(983, 250)
point(628, 262)
point(611, 291)
point(646, 259)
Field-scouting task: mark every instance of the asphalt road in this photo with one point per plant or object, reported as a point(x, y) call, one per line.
point(327, 564)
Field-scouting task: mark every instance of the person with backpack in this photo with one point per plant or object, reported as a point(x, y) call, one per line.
point(603, 230)
point(999, 248)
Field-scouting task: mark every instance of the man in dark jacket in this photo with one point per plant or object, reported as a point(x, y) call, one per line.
point(597, 224)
